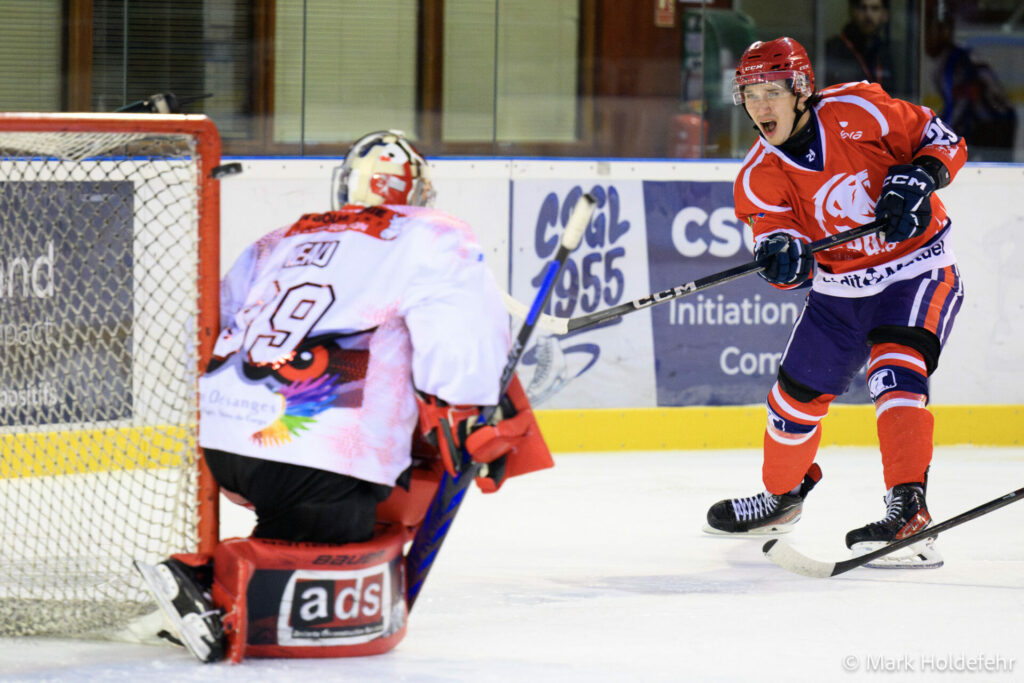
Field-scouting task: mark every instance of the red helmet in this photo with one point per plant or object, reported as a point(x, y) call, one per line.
point(782, 58)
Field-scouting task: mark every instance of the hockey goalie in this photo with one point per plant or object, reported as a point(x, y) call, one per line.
point(357, 349)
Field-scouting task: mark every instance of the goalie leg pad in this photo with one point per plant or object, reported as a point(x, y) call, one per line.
point(302, 600)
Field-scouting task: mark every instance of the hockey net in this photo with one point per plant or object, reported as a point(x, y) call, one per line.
point(109, 233)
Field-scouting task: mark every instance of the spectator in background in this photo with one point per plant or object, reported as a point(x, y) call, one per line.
point(974, 102)
point(861, 52)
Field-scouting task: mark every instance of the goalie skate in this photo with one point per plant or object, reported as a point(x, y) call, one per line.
point(192, 617)
point(906, 513)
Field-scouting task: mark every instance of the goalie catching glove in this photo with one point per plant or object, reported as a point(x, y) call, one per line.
point(511, 447)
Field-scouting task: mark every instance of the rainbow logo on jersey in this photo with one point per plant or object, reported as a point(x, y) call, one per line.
point(302, 402)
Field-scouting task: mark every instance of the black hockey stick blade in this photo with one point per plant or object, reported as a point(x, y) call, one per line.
point(452, 491)
point(559, 326)
point(790, 559)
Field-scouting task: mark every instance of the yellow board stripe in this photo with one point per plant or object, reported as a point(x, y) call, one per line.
point(643, 429)
point(94, 450)
point(634, 429)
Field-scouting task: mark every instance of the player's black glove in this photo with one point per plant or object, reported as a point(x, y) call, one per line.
point(905, 202)
point(786, 260)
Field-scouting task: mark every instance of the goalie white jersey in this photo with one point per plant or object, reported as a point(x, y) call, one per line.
point(329, 323)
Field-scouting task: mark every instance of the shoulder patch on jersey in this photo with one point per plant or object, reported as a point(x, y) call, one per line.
point(374, 221)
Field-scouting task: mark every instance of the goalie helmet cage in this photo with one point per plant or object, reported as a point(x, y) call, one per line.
point(109, 268)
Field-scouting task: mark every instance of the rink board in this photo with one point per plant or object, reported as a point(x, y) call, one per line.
point(116, 449)
point(743, 427)
point(566, 431)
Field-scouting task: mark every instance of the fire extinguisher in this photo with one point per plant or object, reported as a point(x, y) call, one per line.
point(688, 132)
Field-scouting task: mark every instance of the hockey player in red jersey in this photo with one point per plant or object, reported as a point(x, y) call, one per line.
point(357, 348)
point(825, 162)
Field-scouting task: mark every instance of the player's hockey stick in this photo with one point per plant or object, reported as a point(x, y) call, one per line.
point(452, 490)
point(784, 555)
point(558, 326)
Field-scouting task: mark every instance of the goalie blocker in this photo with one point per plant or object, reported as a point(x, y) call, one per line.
point(507, 448)
point(284, 599)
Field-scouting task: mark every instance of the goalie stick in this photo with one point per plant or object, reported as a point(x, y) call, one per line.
point(452, 490)
point(560, 326)
point(790, 559)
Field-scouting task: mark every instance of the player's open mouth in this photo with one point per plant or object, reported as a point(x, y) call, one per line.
point(768, 127)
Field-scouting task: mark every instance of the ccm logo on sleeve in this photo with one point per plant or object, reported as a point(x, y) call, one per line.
point(324, 608)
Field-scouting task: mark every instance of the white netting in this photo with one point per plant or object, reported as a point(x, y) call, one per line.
point(65, 145)
point(99, 246)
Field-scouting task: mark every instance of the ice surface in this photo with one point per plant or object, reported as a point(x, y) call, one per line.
point(597, 570)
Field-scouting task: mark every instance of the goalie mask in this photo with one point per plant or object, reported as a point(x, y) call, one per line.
point(782, 59)
point(382, 168)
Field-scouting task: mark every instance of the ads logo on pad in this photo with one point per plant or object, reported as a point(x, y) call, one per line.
point(323, 608)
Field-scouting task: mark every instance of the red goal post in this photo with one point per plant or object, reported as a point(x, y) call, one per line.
point(109, 277)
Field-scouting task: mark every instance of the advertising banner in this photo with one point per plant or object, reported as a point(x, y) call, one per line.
point(607, 365)
point(66, 302)
point(721, 346)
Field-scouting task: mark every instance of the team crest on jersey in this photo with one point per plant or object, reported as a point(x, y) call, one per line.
point(844, 202)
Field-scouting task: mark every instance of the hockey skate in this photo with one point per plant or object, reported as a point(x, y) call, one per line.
point(906, 513)
point(763, 514)
point(194, 621)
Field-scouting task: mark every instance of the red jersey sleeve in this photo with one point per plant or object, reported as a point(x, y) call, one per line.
point(909, 130)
